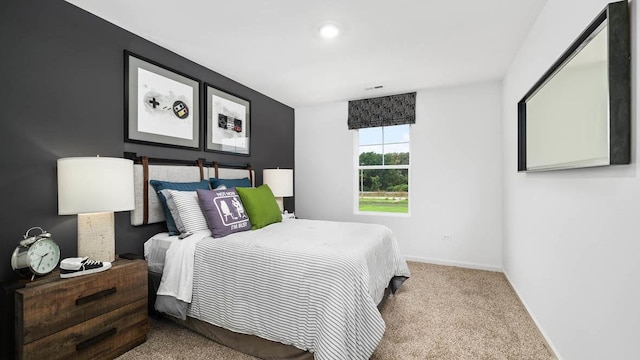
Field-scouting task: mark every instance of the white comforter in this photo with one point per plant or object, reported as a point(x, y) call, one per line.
point(311, 284)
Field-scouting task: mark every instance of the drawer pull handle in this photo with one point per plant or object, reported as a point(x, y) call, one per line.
point(96, 339)
point(96, 296)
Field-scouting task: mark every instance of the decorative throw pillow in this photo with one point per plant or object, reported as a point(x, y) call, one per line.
point(260, 205)
point(230, 183)
point(224, 211)
point(183, 186)
point(189, 211)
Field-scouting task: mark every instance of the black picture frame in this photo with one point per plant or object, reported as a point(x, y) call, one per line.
point(162, 105)
point(228, 122)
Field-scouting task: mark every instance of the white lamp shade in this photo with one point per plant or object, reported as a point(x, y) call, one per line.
point(280, 181)
point(94, 184)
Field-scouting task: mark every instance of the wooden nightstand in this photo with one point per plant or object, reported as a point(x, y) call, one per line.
point(96, 316)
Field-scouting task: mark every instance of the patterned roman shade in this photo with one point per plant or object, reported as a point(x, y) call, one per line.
point(382, 111)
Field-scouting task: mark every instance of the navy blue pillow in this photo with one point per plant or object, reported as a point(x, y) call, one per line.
point(180, 186)
point(230, 183)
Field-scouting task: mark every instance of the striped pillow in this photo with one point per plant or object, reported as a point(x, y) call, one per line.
point(189, 211)
point(171, 205)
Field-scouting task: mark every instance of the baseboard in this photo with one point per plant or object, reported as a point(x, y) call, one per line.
point(552, 349)
point(453, 263)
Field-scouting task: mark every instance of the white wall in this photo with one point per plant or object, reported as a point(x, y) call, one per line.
point(455, 174)
point(572, 238)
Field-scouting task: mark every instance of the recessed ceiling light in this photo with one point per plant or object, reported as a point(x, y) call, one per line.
point(329, 31)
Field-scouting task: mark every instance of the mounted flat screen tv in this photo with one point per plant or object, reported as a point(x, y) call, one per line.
point(579, 113)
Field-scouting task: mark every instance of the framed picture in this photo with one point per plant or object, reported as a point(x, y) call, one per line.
point(228, 124)
point(162, 106)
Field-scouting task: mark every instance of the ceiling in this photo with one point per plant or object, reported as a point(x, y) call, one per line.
point(273, 46)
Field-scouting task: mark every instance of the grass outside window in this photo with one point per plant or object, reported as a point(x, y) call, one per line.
point(383, 204)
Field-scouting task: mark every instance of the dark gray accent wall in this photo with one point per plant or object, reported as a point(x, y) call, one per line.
point(61, 95)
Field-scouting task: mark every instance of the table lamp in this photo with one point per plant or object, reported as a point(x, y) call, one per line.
point(280, 182)
point(94, 188)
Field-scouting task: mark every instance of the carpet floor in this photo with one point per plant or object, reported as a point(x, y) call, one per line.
point(441, 312)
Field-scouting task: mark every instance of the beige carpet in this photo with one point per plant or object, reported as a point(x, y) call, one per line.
point(441, 312)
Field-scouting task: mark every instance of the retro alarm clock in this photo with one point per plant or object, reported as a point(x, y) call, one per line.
point(36, 255)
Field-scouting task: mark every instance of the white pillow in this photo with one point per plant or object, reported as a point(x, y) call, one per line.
point(189, 212)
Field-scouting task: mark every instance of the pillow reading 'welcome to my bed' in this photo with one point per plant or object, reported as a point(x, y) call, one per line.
point(224, 211)
point(261, 206)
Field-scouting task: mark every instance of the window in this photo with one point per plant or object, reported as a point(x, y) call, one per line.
point(383, 169)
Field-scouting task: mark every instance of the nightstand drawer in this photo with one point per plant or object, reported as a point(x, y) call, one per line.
point(50, 307)
point(104, 337)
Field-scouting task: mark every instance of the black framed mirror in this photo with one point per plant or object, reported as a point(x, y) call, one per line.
point(579, 113)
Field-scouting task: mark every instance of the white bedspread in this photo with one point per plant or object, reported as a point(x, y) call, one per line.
point(311, 284)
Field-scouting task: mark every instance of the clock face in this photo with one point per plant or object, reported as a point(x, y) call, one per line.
point(43, 256)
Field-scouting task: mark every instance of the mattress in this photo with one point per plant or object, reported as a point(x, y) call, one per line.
point(155, 250)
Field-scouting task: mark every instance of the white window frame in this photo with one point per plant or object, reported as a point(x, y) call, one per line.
point(356, 176)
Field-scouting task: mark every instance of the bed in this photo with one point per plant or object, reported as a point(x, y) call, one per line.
point(295, 289)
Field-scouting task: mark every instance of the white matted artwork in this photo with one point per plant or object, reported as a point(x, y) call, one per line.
point(228, 122)
point(162, 106)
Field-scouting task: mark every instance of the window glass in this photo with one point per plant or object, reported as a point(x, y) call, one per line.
point(371, 155)
point(370, 136)
point(396, 134)
point(396, 154)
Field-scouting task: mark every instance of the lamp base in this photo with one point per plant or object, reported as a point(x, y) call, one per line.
point(96, 236)
point(280, 202)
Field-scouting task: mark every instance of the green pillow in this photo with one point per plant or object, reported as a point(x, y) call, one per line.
point(260, 205)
